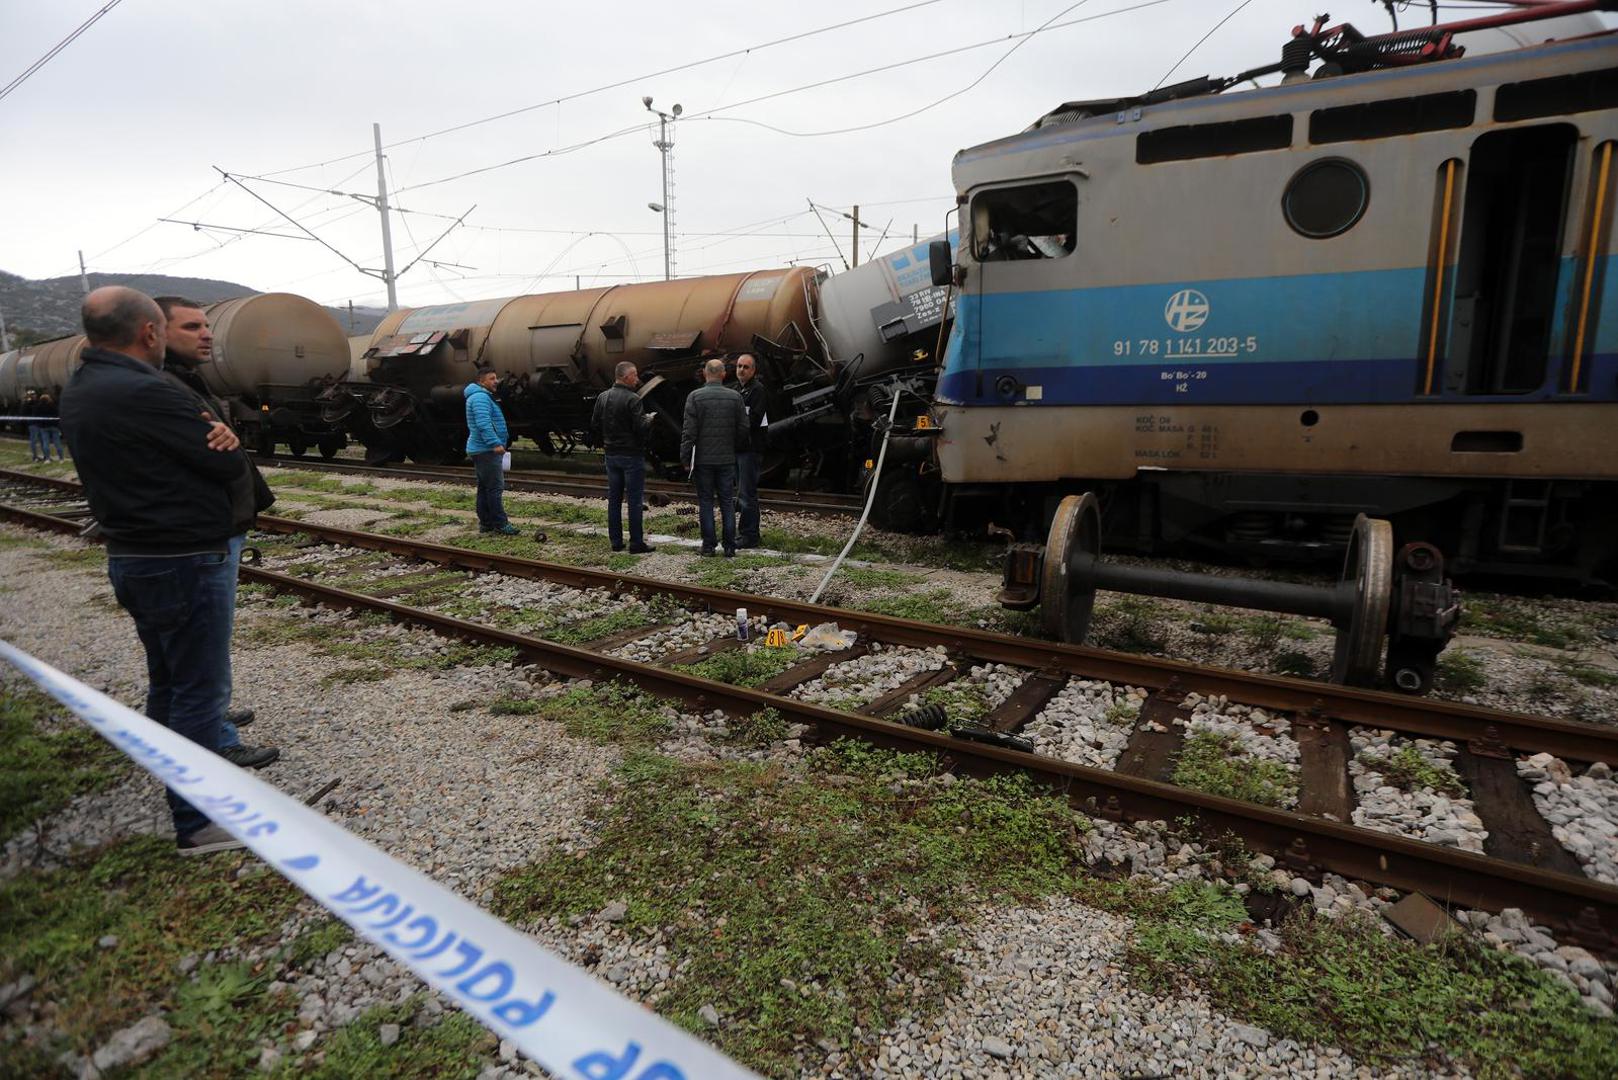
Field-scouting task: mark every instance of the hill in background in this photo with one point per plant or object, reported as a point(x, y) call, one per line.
point(49, 308)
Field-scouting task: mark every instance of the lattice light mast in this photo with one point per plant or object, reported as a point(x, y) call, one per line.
point(665, 146)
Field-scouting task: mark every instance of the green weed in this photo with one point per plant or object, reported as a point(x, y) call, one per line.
point(1459, 672)
point(1347, 983)
point(751, 666)
point(42, 768)
point(787, 904)
point(160, 908)
point(1217, 764)
point(1406, 768)
point(606, 713)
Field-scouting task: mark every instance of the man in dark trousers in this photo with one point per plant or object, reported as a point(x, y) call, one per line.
point(715, 429)
point(169, 489)
point(621, 423)
point(190, 345)
point(749, 461)
point(486, 439)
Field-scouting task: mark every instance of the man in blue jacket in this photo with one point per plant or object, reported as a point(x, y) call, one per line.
point(486, 438)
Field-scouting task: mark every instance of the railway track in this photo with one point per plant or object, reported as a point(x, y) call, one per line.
point(1522, 864)
point(565, 483)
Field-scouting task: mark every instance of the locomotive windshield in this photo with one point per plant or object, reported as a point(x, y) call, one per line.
point(1033, 221)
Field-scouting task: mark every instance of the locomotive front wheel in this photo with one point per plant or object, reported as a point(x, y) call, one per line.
point(1067, 600)
point(1368, 570)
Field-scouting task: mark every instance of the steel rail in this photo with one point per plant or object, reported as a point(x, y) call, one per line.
point(534, 480)
point(1582, 909)
point(1467, 724)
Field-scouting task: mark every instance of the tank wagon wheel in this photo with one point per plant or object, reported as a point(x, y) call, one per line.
point(297, 446)
point(329, 447)
point(1368, 574)
point(1074, 542)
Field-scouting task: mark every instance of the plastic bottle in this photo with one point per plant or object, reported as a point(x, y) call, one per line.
point(741, 624)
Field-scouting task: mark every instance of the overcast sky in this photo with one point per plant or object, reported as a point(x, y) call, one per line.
point(126, 124)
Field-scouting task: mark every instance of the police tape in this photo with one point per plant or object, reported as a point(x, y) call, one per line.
point(555, 1013)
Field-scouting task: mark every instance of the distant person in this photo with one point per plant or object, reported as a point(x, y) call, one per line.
point(621, 422)
point(190, 345)
point(715, 428)
point(749, 462)
point(170, 490)
point(486, 439)
point(36, 432)
point(50, 429)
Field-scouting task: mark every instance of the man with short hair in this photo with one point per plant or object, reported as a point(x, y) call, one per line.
point(749, 462)
point(189, 345)
point(486, 438)
point(169, 490)
point(715, 428)
point(621, 422)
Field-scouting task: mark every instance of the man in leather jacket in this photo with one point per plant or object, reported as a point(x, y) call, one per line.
point(190, 345)
point(621, 422)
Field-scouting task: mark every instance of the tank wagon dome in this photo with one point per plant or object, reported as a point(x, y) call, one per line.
point(273, 339)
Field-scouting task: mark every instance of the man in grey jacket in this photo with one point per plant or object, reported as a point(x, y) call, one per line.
point(715, 429)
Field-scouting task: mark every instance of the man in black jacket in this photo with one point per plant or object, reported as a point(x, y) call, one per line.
point(189, 345)
point(714, 429)
point(749, 462)
point(170, 490)
point(621, 422)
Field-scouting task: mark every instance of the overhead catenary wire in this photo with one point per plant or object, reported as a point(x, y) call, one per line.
point(617, 85)
point(1019, 40)
point(31, 69)
point(1215, 29)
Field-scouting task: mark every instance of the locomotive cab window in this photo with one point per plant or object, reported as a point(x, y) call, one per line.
point(1033, 221)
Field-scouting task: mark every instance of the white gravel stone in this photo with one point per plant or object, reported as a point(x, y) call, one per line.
point(1087, 723)
point(1581, 810)
point(1421, 814)
point(866, 678)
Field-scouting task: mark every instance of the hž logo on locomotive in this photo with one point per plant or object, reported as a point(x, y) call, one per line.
point(1186, 311)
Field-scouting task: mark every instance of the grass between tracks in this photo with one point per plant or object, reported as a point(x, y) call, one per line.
point(823, 902)
point(368, 658)
point(1216, 763)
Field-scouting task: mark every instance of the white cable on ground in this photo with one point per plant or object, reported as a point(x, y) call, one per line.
point(876, 479)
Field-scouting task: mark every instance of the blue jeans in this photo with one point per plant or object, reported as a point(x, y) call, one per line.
point(49, 437)
point(747, 470)
point(184, 609)
point(491, 485)
point(36, 441)
point(228, 735)
point(626, 475)
point(717, 481)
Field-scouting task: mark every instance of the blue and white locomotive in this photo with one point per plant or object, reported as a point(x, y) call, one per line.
point(1384, 285)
